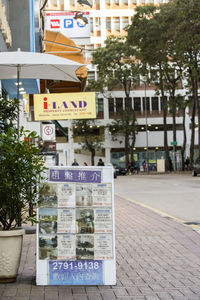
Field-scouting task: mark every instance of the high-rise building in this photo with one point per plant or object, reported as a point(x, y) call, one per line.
point(110, 17)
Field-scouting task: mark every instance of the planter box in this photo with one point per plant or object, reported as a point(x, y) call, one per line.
point(10, 254)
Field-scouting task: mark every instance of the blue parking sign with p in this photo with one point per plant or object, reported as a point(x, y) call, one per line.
point(68, 23)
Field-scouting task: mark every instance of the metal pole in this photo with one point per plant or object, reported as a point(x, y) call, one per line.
point(146, 125)
point(19, 223)
point(18, 109)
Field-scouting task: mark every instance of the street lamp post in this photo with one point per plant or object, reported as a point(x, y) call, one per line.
point(146, 125)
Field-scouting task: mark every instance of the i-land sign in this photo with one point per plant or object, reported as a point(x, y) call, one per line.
point(64, 106)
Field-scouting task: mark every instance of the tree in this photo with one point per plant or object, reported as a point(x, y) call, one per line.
point(184, 34)
point(89, 136)
point(147, 40)
point(117, 69)
point(125, 127)
point(21, 168)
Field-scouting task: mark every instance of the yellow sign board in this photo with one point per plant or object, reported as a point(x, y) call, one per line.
point(64, 106)
point(26, 103)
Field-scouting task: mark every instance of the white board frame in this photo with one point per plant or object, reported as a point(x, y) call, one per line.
point(109, 266)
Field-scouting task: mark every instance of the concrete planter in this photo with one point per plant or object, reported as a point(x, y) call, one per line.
point(10, 254)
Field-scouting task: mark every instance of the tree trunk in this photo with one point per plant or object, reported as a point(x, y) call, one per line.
point(184, 142)
point(198, 113)
point(127, 147)
point(165, 132)
point(164, 99)
point(193, 105)
point(92, 156)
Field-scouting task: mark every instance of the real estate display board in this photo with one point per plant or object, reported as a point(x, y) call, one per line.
point(75, 230)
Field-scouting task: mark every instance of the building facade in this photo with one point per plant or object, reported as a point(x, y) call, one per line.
point(19, 28)
point(110, 17)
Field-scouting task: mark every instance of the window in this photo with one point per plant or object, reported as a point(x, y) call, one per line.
point(137, 104)
point(146, 104)
point(124, 22)
point(91, 75)
point(100, 105)
point(154, 103)
point(108, 24)
point(111, 105)
point(72, 2)
point(116, 23)
point(54, 2)
point(91, 24)
point(119, 104)
point(98, 23)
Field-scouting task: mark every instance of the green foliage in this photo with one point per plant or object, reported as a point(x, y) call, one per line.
point(126, 125)
point(20, 169)
point(115, 66)
point(88, 132)
point(8, 113)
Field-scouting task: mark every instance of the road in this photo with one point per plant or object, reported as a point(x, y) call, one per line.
point(177, 195)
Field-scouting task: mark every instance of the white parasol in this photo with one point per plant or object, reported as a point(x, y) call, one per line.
point(34, 65)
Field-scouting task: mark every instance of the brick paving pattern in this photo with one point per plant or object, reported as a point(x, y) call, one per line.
point(157, 259)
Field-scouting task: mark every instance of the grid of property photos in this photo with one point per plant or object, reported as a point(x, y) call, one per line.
point(75, 221)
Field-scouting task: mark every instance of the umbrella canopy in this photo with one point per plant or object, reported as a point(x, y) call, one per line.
point(37, 65)
point(20, 64)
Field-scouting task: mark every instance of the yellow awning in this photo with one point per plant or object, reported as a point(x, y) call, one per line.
point(57, 44)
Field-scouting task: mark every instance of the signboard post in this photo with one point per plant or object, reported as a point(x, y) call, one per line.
point(75, 230)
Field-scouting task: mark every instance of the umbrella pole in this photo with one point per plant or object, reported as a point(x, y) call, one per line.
point(18, 115)
point(18, 109)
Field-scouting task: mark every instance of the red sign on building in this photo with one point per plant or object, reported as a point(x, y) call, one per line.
point(54, 23)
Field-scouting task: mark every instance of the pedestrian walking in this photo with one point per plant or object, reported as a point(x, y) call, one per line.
point(100, 162)
point(187, 163)
point(75, 163)
point(144, 165)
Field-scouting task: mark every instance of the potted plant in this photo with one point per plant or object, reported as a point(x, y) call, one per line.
point(20, 172)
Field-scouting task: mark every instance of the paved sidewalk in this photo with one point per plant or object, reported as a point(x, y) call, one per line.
point(157, 258)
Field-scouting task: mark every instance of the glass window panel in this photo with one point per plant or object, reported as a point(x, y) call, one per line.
point(91, 24)
point(124, 22)
point(154, 101)
point(100, 105)
point(111, 105)
point(146, 104)
point(119, 104)
point(116, 23)
point(137, 104)
point(108, 24)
